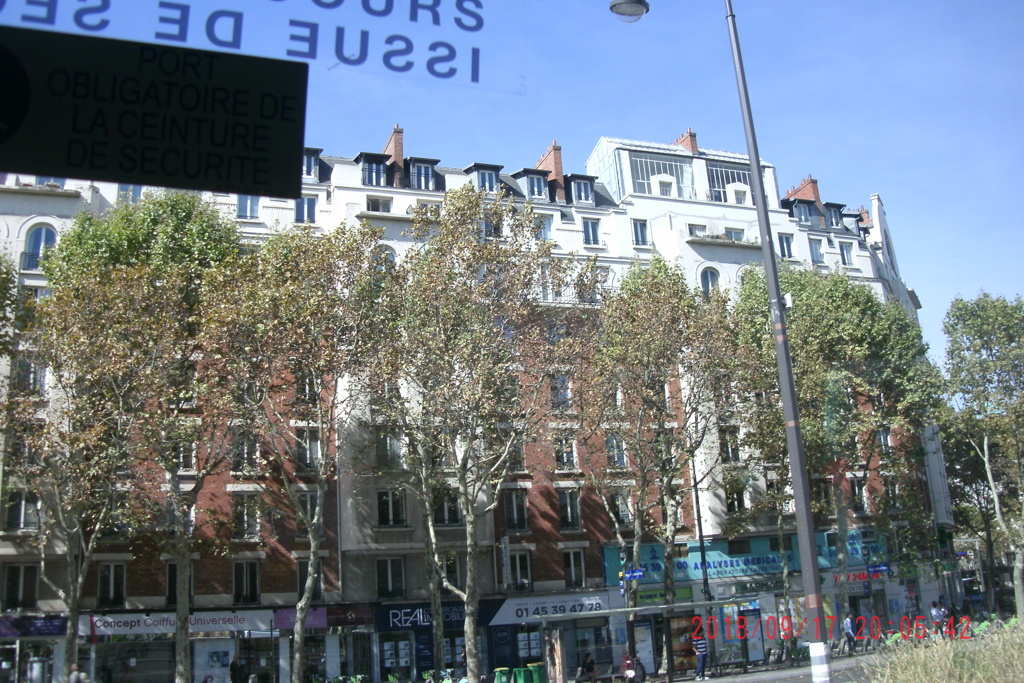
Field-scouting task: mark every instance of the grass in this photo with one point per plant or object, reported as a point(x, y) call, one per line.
point(998, 656)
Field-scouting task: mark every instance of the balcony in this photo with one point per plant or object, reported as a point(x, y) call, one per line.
point(722, 239)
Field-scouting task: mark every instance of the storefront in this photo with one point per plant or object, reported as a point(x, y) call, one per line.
point(516, 635)
point(403, 640)
point(29, 646)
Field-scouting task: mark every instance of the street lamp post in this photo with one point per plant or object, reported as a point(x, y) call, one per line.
point(814, 613)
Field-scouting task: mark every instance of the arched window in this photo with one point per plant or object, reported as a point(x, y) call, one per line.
point(39, 240)
point(708, 280)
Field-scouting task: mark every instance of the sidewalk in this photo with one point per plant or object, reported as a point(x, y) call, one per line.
point(849, 669)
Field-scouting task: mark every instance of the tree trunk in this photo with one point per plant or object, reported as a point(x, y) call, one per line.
point(71, 639)
point(182, 608)
point(472, 599)
point(1018, 579)
point(312, 576)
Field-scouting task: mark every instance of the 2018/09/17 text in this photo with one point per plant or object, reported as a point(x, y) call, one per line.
point(742, 628)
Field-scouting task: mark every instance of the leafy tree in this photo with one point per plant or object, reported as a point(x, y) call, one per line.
point(661, 364)
point(468, 371)
point(985, 371)
point(121, 336)
point(865, 391)
point(288, 323)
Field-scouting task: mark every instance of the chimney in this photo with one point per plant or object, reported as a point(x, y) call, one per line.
point(396, 148)
point(688, 141)
point(552, 161)
point(808, 189)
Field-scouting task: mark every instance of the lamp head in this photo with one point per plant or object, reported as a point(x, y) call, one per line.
point(630, 11)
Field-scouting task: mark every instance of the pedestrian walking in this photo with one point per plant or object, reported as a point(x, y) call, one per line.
point(851, 637)
point(700, 646)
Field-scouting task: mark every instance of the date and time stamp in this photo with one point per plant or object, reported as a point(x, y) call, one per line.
point(864, 628)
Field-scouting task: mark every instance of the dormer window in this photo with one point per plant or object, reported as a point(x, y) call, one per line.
point(741, 196)
point(802, 213)
point(421, 176)
point(487, 180)
point(583, 191)
point(310, 161)
point(375, 173)
point(537, 186)
point(835, 218)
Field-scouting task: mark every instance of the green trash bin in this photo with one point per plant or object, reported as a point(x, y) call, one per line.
point(539, 671)
point(521, 676)
point(501, 676)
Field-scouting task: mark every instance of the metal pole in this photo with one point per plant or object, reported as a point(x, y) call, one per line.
point(814, 613)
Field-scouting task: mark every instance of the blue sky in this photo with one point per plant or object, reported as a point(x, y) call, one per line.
point(918, 102)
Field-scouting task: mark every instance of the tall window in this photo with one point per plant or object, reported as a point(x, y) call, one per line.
point(565, 451)
point(390, 578)
point(21, 582)
point(305, 210)
point(184, 453)
point(375, 173)
point(516, 520)
point(244, 451)
point(308, 501)
point(835, 218)
point(422, 177)
point(816, 256)
point(452, 572)
point(318, 579)
point(582, 191)
point(569, 509)
point(520, 578)
point(729, 444)
point(591, 232)
point(735, 501)
point(722, 175)
point(621, 510)
point(248, 207)
point(39, 240)
point(247, 582)
point(446, 509)
point(803, 214)
point(309, 165)
point(22, 510)
point(708, 280)
point(538, 186)
point(111, 589)
point(572, 564)
point(561, 392)
point(615, 447)
point(884, 440)
point(785, 246)
point(846, 253)
point(389, 449)
point(129, 193)
point(171, 585)
point(640, 233)
point(307, 447)
point(859, 494)
point(246, 516)
point(390, 508)
point(646, 166)
point(543, 223)
point(30, 376)
point(488, 180)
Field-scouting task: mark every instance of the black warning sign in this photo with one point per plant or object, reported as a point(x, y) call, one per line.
point(101, 109)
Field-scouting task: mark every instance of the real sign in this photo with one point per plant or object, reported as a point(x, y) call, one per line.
point(101, 109)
